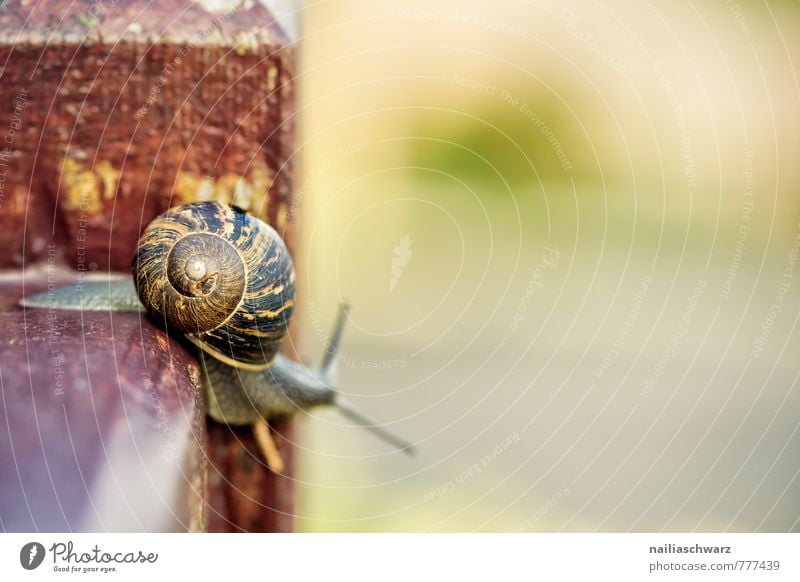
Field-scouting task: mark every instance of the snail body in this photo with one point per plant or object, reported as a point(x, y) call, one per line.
point(280, 391)
point(223, 279)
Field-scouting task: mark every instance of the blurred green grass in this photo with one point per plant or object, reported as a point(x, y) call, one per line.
point(396, 145)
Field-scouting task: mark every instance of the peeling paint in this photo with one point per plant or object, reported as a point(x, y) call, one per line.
point(109, 176)
point(81, 187)
point(281, 216)
point(248, 193)
point(243, 194)
point(246, 42)
point(219, 6)
point(272, 76)
point(224, 188)
point(84, 188)
point(187, 187)
point(161, 340)
point(261, 178)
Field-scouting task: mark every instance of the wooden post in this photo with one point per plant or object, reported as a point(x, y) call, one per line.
point(110, 113)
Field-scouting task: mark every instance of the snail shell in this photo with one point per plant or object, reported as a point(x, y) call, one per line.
point(221, 277)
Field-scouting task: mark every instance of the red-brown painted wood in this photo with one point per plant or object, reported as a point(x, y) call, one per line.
point(100, 422)
point(112, 112)
point(109, 117)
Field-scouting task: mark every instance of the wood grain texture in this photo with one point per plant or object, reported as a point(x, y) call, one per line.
point(110, 113)
point(101, 416)
point(109, 120)
point(243, 495)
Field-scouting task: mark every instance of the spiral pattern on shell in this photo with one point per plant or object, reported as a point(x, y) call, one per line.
point(221, 277)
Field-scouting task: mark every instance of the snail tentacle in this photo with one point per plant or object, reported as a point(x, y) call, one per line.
point(225, 281)
point(284, 389)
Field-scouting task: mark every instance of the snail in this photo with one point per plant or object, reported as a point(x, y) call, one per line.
point(219, 276)
point(225, 280)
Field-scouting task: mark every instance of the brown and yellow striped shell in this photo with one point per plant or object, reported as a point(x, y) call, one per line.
point(221, 277)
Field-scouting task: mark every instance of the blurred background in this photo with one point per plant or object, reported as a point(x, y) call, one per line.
point(569, 235)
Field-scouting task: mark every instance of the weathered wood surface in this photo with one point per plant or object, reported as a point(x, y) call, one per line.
point(110, 116)
point(111, 113)
point(242, 494)
point(101, 420)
